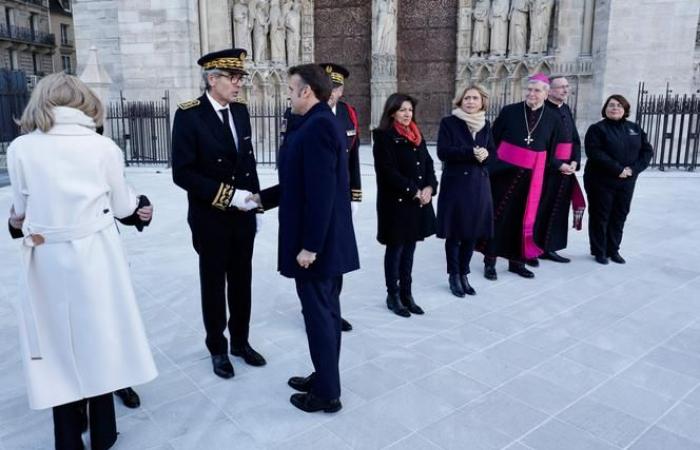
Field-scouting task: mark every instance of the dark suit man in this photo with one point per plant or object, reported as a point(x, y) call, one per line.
point(213, 161)
point(316, 237)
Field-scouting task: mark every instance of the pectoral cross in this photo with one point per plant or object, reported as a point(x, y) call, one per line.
point(528, 140)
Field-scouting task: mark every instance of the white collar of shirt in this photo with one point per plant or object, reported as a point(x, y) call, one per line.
point(335, 109)
point(218, 107)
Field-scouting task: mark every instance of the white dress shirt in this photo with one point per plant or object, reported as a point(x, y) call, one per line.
point(218, 107)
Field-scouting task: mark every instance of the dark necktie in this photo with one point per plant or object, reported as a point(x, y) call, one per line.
point(227, 127)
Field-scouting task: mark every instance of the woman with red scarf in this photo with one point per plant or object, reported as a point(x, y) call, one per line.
point(406, 183)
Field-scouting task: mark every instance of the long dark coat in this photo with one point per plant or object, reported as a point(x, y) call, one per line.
point(402, 169)
point(465, 207)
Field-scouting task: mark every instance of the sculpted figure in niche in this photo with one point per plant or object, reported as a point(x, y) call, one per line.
point(292, 23)
point(540, 17)
point(386, 27)
point(480, 36)
point(242, 25)
point(499, 27)
point(518, 27)
point(277, 32)
point(260, 29)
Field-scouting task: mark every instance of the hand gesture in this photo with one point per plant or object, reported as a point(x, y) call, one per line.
point(480, 153)
point(426, 194)
point(145, 213)
point(305, 258)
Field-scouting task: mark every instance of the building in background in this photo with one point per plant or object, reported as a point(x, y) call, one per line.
point(61, 18)
point(26, 40)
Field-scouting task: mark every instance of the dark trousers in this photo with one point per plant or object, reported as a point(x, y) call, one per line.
point(608, 207)
point(458, 254)
point(69, 421)
point(320, 305)
point(398, 265)
point(225, 274)
point(512, 263)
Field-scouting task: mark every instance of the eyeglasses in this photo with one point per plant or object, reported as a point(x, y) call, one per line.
point(234, 78)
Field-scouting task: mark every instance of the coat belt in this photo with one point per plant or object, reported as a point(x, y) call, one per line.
point(36, 235)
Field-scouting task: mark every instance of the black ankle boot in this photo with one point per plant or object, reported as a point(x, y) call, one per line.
point(393, 302)
point(455, 285)
point(466, 287)
point(408, 301)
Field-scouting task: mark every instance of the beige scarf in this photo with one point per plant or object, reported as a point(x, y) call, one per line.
point(475, 121)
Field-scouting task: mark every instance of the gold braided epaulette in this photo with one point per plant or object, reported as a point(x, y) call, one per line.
point(188, 104)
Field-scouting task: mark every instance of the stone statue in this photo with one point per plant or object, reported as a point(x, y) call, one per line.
point(386, 28)
point(292, 23)
point(480, 34)
point(517, 42)
point(498, 19)
point(242, 25)
point(277, 32)
point(260, 29)
point(540, 17)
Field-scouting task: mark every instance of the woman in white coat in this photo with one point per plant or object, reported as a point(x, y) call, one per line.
point(81, 333)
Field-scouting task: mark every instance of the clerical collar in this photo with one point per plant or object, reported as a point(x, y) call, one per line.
point(533, 109)
point(558, 105)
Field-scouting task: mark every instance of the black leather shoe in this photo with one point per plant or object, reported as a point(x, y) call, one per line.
point(410, 304)
point(601, 259)
point(345, 325)
point(301, 384)
point(490, 272)
point(311, 403)
point(250, 356)
point(222, 366)
point(455, 285)
point(466, 287)
point(617, 258)
point(519, 269)
point(129, 397)
point(554, 256)
point(394, 304)
point(534, 262)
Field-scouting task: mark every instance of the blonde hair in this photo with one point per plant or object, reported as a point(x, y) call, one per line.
point(59, 89)
point(457, 102)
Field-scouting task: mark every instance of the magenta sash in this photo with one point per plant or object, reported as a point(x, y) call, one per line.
point(535, 161)
point(578, 201)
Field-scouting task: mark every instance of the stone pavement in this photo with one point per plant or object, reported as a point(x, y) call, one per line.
point(582, 357)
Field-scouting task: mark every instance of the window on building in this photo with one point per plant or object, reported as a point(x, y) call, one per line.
point(35, 63)
point(66, 5)
point(14, 63)
point(32, 24)
point(9, 17)
point(64, 34)
point(67, 67)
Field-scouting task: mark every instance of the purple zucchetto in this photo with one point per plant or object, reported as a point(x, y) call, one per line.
point(539, 77)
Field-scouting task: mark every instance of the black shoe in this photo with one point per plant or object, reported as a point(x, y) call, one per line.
point(466, 287)
point(301, 384)
point(519, 269)
point(129, 397)
point(394, 303)
point(601, 259)
point(617, 258)
point(554, 256)
point(311, 403)
point(250, 356)
point(345, 325)
point(222, 366)
point(490, 272)
point(534, 262)
point(410, 304)
point(455, 285)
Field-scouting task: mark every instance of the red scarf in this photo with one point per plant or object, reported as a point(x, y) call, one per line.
point(411, 132)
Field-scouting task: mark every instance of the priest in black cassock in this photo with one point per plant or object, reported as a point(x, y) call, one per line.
point(524, 134)
point(561, 188)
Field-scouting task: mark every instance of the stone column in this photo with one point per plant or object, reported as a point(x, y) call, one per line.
point(587, 32)
point(307, 31)
point(464, 41)
point(214, 25)
point(384, 82)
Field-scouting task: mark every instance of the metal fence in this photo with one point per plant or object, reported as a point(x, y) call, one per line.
point(141, 129)
point(267, 123)
point(13, 98)
point(672, 124)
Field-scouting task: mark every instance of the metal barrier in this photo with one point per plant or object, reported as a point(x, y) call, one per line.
point(14, 96)
point(267, 124)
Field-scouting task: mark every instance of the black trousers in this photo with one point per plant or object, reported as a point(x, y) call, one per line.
point(225, 275)
point(398, 265)
point(69, 421)
point(608, 207)
point(459, 255)
point(320, 306)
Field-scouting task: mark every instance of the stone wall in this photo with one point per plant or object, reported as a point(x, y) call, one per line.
point(342, 34)
point(427, 55)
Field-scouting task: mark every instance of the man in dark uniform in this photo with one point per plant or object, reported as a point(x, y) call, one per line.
point(213, 161)
point(316, 237)
point(560, 186)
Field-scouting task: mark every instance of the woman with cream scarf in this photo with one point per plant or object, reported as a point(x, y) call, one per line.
point(465, 211)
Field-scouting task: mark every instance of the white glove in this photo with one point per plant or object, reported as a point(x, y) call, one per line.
point(354, 206)
point(258, 223)
point(239, 200)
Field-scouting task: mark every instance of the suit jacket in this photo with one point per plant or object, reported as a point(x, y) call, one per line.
point(312, 195)
point(206, 162)
point(344, 112)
